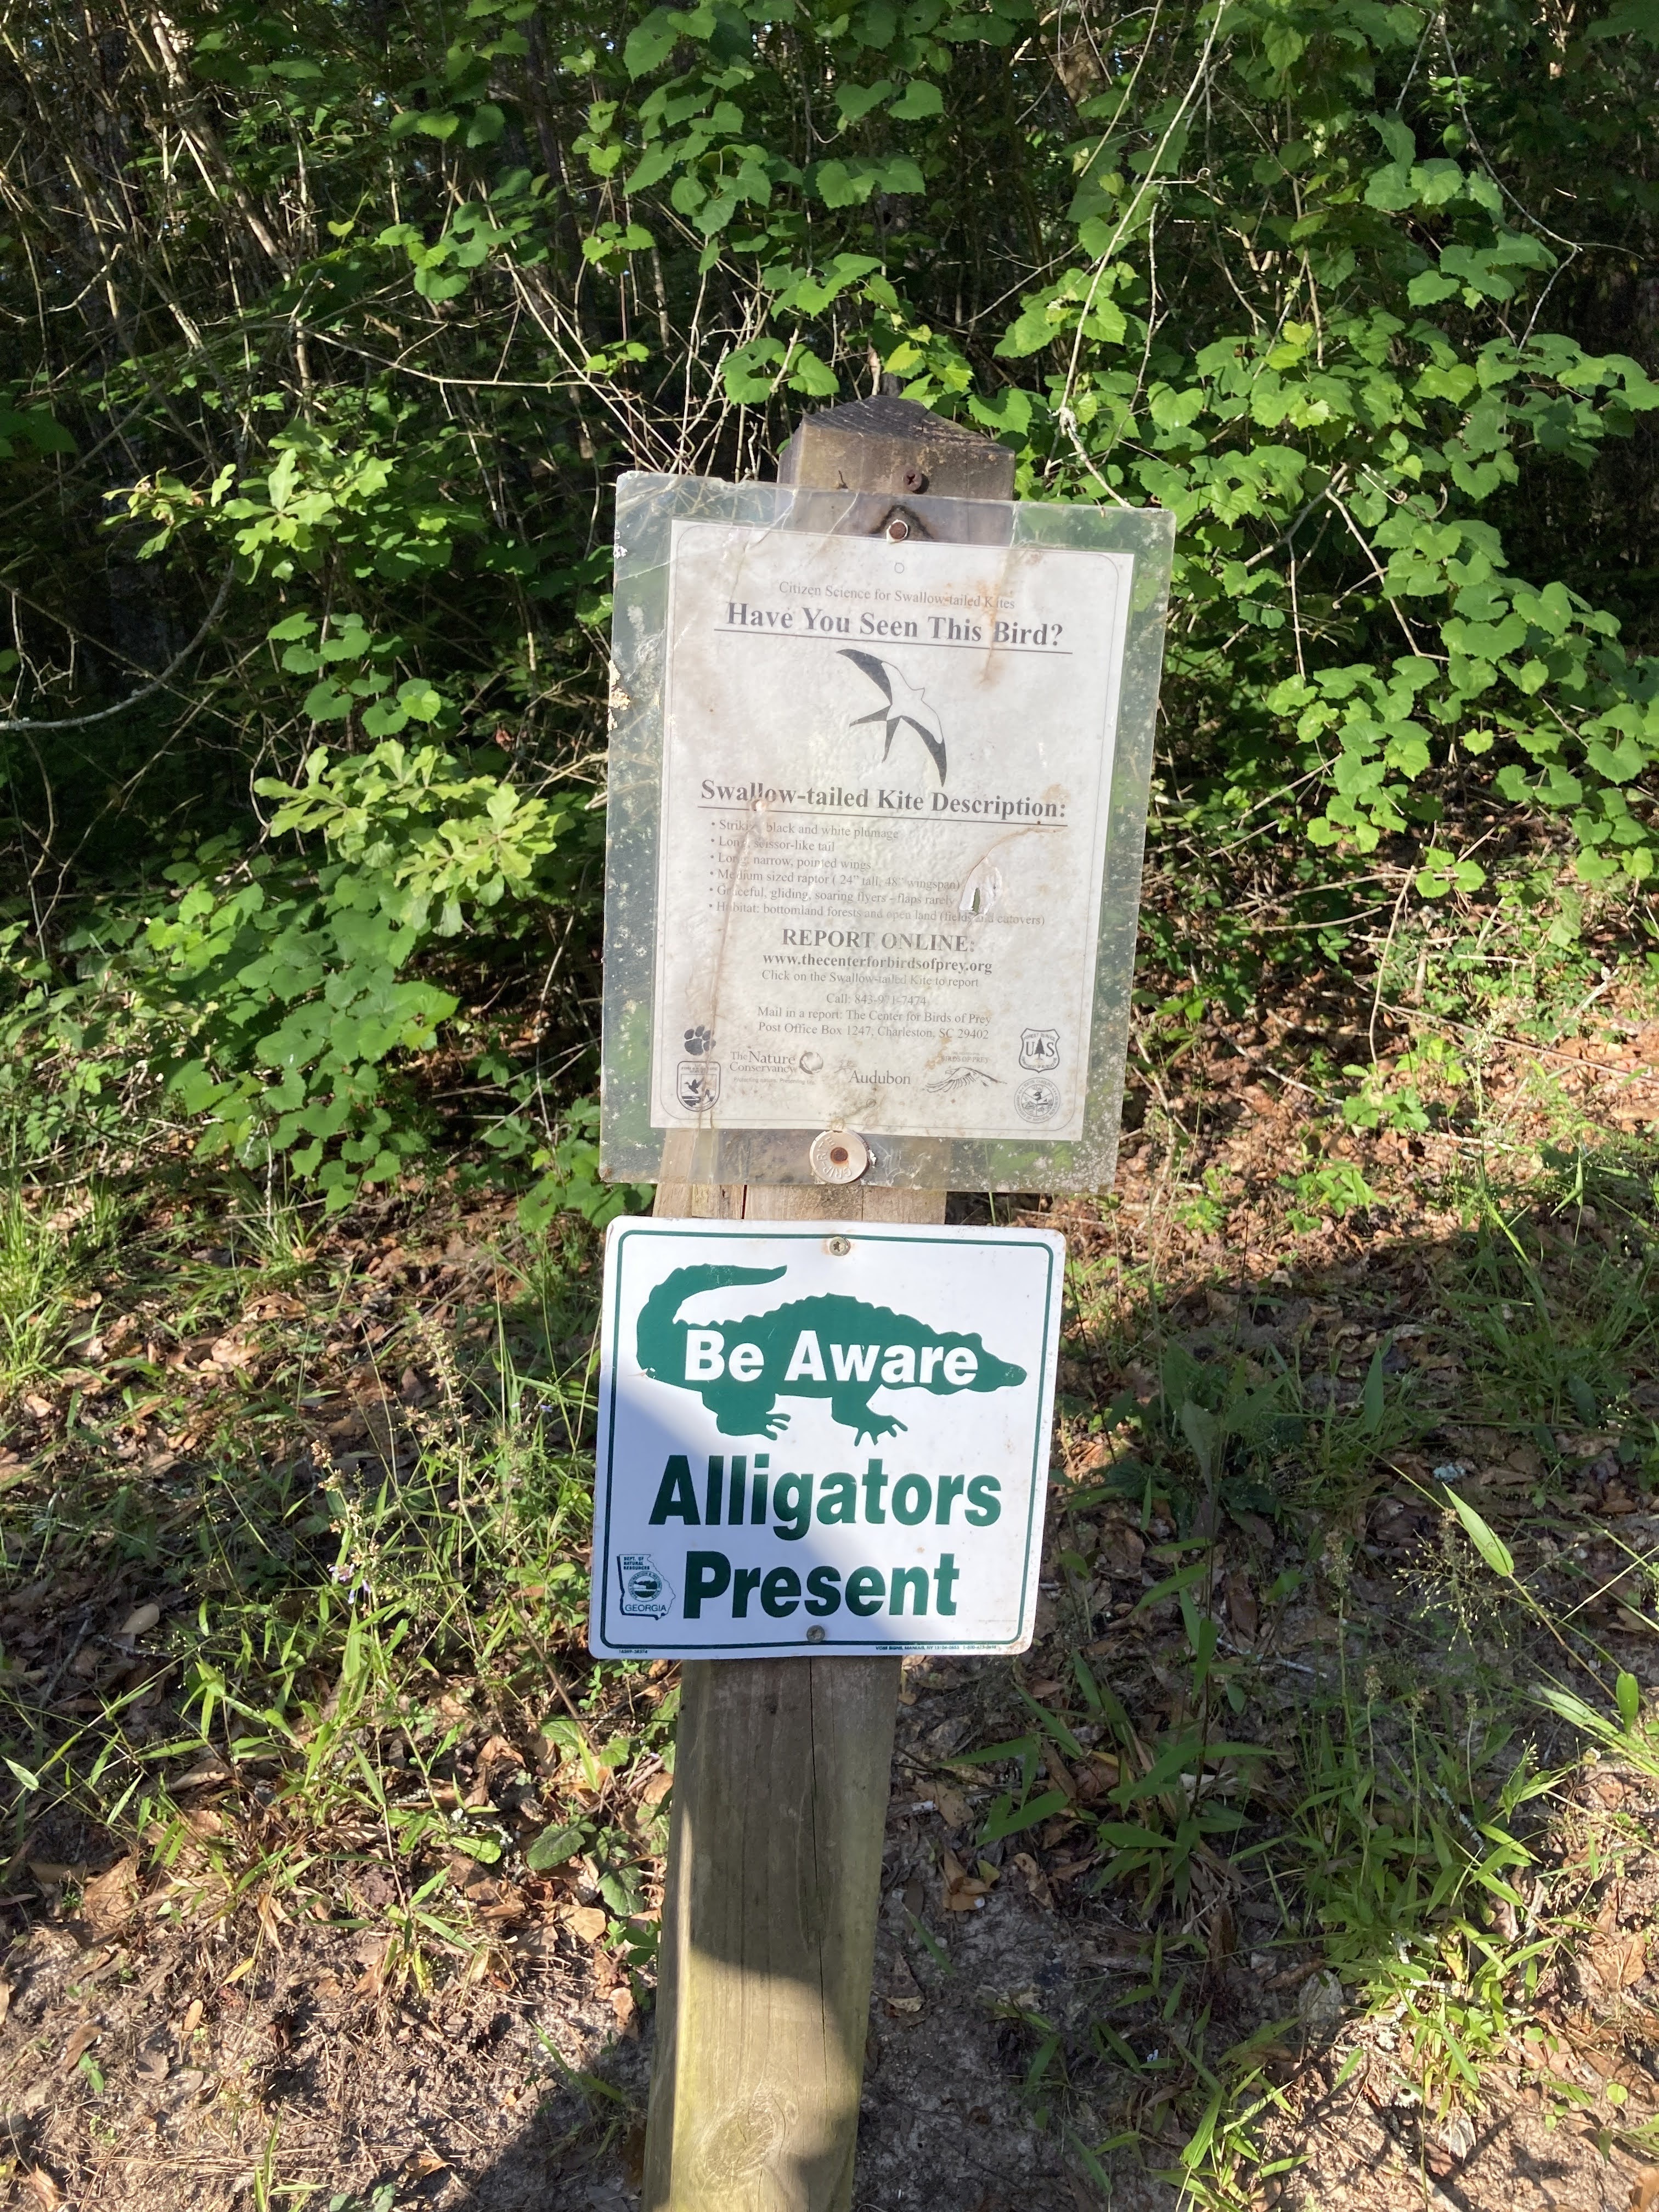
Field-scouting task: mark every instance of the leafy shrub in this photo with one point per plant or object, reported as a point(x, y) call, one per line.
point(1347, 286)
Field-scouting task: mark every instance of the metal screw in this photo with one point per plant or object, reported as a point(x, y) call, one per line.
point(818, 1635)
point(898, 529)
point(838, 1247)
point(914, 479)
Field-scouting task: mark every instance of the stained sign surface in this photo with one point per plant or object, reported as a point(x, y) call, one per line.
point(886, 782)
point(822, 1436)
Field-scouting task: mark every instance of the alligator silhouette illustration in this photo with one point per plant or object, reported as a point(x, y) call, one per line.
point(828, 1346)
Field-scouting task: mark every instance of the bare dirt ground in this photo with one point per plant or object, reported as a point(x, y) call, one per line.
point(176, 2035)
point(232, 2070)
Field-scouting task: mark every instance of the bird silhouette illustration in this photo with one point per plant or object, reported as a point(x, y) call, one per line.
point(904, 704)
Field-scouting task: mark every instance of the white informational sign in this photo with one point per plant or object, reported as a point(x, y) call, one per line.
point(820, 1437)
point(886, 776)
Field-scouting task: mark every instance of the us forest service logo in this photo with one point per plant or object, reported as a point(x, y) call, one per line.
point(645, 1594)
point(827, 1346)
point(905, 707)
point(1040, 1049)
point(1037, 1100)
point(698, 1083)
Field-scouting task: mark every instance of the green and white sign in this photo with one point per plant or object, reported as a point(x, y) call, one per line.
point(818, 1436)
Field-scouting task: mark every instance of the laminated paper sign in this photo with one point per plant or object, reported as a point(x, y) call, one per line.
point(885, 785)
point(822, 1437)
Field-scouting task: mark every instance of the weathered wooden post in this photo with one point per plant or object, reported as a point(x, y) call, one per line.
point(880, 748)
point(781, 1777)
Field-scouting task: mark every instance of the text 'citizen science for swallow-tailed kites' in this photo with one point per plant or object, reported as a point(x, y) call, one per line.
point(821, 1436)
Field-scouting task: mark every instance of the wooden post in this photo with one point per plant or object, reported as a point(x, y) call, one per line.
point(780, 1779)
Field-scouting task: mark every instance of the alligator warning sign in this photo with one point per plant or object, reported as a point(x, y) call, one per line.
point(818, 1436)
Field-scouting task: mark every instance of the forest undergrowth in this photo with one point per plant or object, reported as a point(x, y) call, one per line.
point(1335, 1746)
point(1309, 1854)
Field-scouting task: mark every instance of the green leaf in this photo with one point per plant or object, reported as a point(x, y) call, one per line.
point(1022, 1747)
point(856, 100)
point(1371, 1398)
point(1628, 1692)
point(33, 423)
point(841, 184)
point(1619, 763)
point(1282, 44)
point(921, 98)
point(326, 703)
point(1008, 410)
point(1124, 1836)
point(899, 174)
point(1039, 321)
point(553, 1847)
point(1429, 286)
point(808, 374)
point(1174, 1584)
point(1396, 135)
point(419, 699)
point(1574, 1708)
point(1010, 1821)
point(747, 372)
point(1492, 1547)
point(1203, 1433)
point(650, 43)
point(1391, 188)
point(1626, 18)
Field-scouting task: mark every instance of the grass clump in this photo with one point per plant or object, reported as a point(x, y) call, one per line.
point(1355, 1563)
point(46, 1251)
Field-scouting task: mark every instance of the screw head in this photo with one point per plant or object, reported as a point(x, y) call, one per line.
point(818, 1635)
point(914, 479)
point(838, 1156)
point(898, 529)
point(838, 1247)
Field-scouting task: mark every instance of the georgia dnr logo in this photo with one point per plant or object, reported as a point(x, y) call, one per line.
point(644, 1592)
point(1037, 1100)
